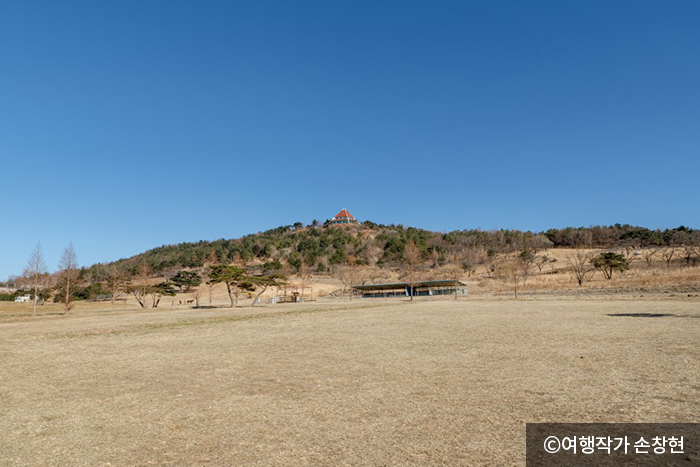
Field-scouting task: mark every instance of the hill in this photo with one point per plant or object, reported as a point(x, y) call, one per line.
point(368, 252)
point(320, 249)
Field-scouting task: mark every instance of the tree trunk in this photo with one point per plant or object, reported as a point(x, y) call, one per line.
point(138, 299)
point(230, 295)
point(257, 297)
point(36, 289)
point(67, 297)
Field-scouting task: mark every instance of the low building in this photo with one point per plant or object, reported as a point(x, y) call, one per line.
point(343, 217)
point(404, 289)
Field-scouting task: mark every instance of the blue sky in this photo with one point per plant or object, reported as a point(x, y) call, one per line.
point(127, 125)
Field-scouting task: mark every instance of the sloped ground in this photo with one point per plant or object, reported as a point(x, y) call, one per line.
point(357, 383)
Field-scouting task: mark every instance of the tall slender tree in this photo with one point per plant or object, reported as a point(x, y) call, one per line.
point(35, 269)
point(212, 259)
point(412, 263)
point(67, 276)
point(116, 283)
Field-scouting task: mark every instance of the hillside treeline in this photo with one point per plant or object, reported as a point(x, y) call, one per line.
point(318, 249)
point(333, 250)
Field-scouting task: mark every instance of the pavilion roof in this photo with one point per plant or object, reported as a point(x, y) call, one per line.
point(343, 214)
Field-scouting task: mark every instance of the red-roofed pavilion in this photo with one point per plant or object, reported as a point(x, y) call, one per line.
point(343, 217)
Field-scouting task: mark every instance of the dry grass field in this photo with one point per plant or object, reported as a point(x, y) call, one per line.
point(373, 382)
point(654, 278)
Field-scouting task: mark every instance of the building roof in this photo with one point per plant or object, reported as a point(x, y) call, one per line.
point(403, 285)
point(342, 215)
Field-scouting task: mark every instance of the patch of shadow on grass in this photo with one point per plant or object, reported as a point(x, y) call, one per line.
point(644, 315)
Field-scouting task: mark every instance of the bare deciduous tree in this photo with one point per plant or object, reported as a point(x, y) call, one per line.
point(412, 263)
point(140, 288)
point(210, 290)
point(116, 283)
point(453, 271)
point(347, 275)
point(690, 245)
point(304, 273)
point(34, 270)
point(688, 252)
point(540, 262)
point(435, 258)
point(667, 254)
point(212, 259)
point(630, 250)
point(508, 272)
point(649, 255)
point(580, 263)
point(67, 276)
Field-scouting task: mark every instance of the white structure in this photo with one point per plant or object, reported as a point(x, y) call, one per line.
point(24, 298)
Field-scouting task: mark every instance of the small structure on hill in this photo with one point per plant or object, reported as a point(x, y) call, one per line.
point(343, 217)
point(404, 289)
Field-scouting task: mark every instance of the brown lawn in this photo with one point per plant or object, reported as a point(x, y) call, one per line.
point(374, 382)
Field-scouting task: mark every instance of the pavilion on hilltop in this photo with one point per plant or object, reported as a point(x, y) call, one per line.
point(343, 217)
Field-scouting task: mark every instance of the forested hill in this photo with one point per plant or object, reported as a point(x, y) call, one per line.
point(319, 248)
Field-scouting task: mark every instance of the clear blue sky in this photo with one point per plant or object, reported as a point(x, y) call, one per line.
point(126, 125)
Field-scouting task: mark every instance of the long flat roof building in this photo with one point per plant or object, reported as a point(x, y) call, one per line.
point(401, 289)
